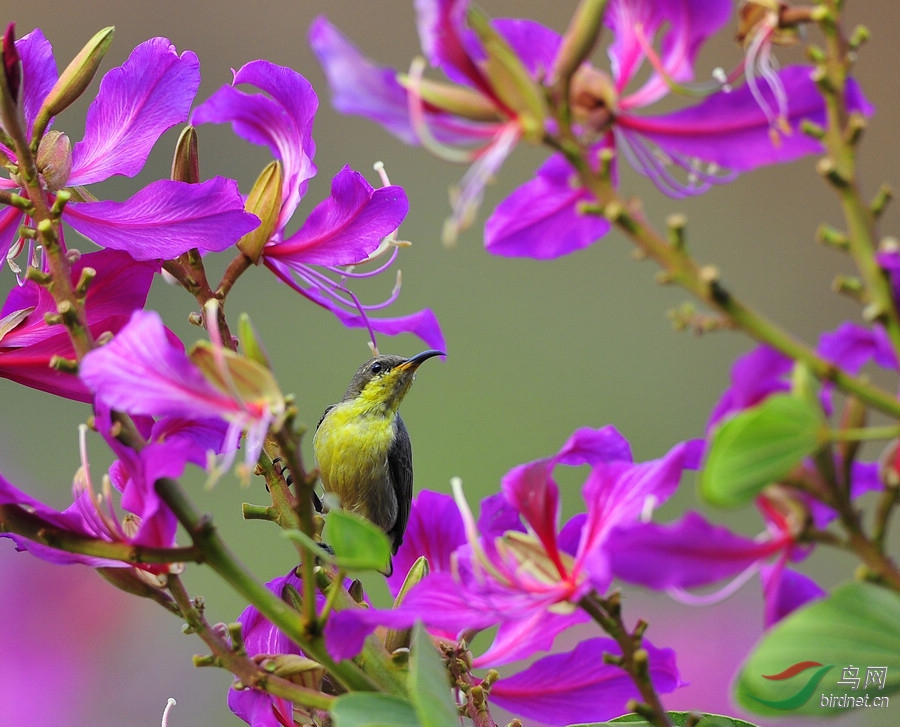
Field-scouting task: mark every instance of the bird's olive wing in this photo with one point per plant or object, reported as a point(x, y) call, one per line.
point(400, 464)
point(324, 414)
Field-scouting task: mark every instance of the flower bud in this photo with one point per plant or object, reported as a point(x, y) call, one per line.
point(54, 160)
point(401, 639)
point(12, 64)
point(135, 582)
point(509, 79)
point(73, 81)
point(11, 84)
point(264, 201)
point(186, 161)
point(296, 668)
point(579, 39)
point(593, 98)
point(457, 100)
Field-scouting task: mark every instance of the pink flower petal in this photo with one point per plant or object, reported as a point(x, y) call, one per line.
point(151, 92)
point(166, 219)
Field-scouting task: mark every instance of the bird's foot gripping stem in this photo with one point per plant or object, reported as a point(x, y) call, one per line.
point(289, 479)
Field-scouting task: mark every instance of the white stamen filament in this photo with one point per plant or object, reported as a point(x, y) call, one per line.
point(479, 557)
point(721, 78)
point(706, 599)
point(211, 313)
point(382, 173)
point(165, 718)
point(420, 126)
point(649, 505)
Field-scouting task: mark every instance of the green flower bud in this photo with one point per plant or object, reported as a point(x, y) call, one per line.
point(457, 100)
point(11, 116)
point(509, 79)
point(54, 159)
point(74, 80)
point(264, 201)
point(580, 38)
point(401, 639)
point(186, 161)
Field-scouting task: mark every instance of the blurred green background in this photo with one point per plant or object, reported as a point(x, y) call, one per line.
point(536, 350)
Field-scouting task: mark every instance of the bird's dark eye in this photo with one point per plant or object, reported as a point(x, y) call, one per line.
point(376, 367)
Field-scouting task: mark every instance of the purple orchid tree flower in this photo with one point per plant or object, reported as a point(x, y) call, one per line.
point(28, 344)
point(682, 152)
point(591, 689)
point(348, 228)
point(436, 529)
point(754, 377)
point(78, 518)
point(172, 443)
point(694, 552)
point(144, 370)
point(518, 571)
point(562, 689)
point(147, 520)
point(261, 638)
point(364, 88)
point(136, 102)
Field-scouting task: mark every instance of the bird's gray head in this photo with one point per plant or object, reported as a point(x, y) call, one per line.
point(386, 378)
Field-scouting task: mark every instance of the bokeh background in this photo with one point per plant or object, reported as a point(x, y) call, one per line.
point(536, 350)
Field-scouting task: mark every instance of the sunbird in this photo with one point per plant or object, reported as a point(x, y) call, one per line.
point(362, 448)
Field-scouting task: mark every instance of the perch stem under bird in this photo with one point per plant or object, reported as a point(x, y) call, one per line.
point(362, 448)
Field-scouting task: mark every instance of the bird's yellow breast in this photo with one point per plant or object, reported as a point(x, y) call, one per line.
point(351, 447)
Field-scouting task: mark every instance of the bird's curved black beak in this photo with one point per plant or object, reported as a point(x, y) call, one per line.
point(414, 362)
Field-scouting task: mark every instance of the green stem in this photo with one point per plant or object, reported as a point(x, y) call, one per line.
point(863, 434)
point(283, 510)
point(868, 550)
point(883, 511)
point(248, 672)
point(839, 167)
point(237, 267)
point(607, 613)
point(18, 520)
point(703, 282)
point(222, 561)
point(304, 482)
point(47, 223)
point(374, 657)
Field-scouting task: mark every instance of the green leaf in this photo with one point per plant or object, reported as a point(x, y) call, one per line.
point(760, 446)
point(301, 538)
point(429, 684)
point(856, 626)
point(357, 543)
point(678, 719)
point(369, 709)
